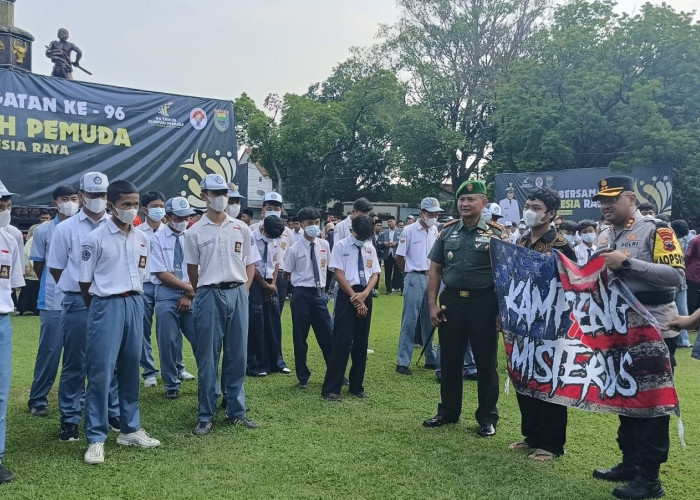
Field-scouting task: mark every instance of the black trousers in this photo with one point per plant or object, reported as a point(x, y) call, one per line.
point(470, 319)
point(543, 424)
point(310, 310)
point(350, 338)
point(393, 278)
point(693, 296)
point(644, 442)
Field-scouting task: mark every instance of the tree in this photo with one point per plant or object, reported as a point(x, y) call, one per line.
point(452, 51)
point(601, 90)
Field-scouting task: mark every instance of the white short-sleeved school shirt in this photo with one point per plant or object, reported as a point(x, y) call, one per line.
point(65, 251)
point(344, 257)
point(50, 296)
point(149, 232)
point(298, 262)
point(583, 253)
point(415, 244)
point(274, 254)
point(163, 254)
point(11, 270)
point(342, 230)
point(17, 235)
point(221, 252)
point(114, 262)
point(286, 240)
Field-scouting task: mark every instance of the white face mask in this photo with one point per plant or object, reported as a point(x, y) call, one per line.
point(276, 213)
point(179, 226)
point(588, 237)
point(233, 210)
point(218, 203)
point(5, 217)
point(96, 206)
point(68, 208)
point(532, 218)
point(570, 238)
point(430, 221)
point(126, 216)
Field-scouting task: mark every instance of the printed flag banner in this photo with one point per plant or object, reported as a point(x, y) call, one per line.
point(576, 338)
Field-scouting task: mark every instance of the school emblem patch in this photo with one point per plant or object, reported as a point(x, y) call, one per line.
point(86, 254)
point(369, 263)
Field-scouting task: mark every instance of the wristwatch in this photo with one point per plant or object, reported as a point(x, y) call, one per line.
point(626, 265)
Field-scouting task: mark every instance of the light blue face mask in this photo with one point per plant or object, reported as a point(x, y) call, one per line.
point(313, 231)
point(356, 242)
point(156, 213)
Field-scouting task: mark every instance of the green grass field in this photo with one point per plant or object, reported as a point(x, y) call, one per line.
point(309, 448)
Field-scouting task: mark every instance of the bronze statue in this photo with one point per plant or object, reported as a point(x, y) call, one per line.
point(59, 52)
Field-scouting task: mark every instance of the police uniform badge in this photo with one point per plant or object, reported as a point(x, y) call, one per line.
point(666, 248)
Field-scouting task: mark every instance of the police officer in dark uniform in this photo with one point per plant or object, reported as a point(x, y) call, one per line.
point(461, 259)
point(542, 423)
point(645, 254)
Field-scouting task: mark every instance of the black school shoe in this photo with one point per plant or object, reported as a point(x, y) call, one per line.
point(640, 487)
point(5, 475)
point(487, 430)
point(438, 421)
point(39, 411)
point(621, 472)
point(69, 432)
point(332, 397)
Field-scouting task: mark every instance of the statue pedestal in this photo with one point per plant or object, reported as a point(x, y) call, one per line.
point(15, 44)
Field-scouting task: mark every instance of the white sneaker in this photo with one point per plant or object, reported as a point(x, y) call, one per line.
point(185, 375)
point(150, 382)
point(95, 454)
point(139, 438)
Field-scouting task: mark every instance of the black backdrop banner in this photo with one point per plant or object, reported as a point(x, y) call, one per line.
point(52, 131)
point(576, 188)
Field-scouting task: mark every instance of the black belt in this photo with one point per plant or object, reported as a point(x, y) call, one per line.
point(420, 272)
point(471, 293)
point(122, 295)
point(655, 298)
point(226, 285)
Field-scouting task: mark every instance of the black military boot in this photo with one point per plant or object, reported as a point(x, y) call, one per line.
point(621, 472)
point(643, 485)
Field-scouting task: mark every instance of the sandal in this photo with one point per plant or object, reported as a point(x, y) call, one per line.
point(519, 445)
point(542, 455)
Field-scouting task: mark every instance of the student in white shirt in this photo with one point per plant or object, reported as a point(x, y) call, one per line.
point(220, 265)
point(114, 262)
point(265, 323)
point(153, 212)
point(356, 267)
point(173, 293)
point(64, 263)
point(584, 250)
point(306, 264)
point(412, 257)
point(48, 356)
point(11, 276)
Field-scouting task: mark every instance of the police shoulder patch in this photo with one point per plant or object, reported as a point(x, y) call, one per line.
point(667, 250)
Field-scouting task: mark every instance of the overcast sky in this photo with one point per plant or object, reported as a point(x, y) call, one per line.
point(213, 48)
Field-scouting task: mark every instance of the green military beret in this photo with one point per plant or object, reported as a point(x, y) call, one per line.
point(471, 187)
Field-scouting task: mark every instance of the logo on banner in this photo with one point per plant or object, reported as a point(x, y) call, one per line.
point(163, 118)
point(198, 118)
point(221, 119)
point(198, 166)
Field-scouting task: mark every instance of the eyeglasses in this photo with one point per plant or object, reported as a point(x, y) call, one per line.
point(610, 201)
